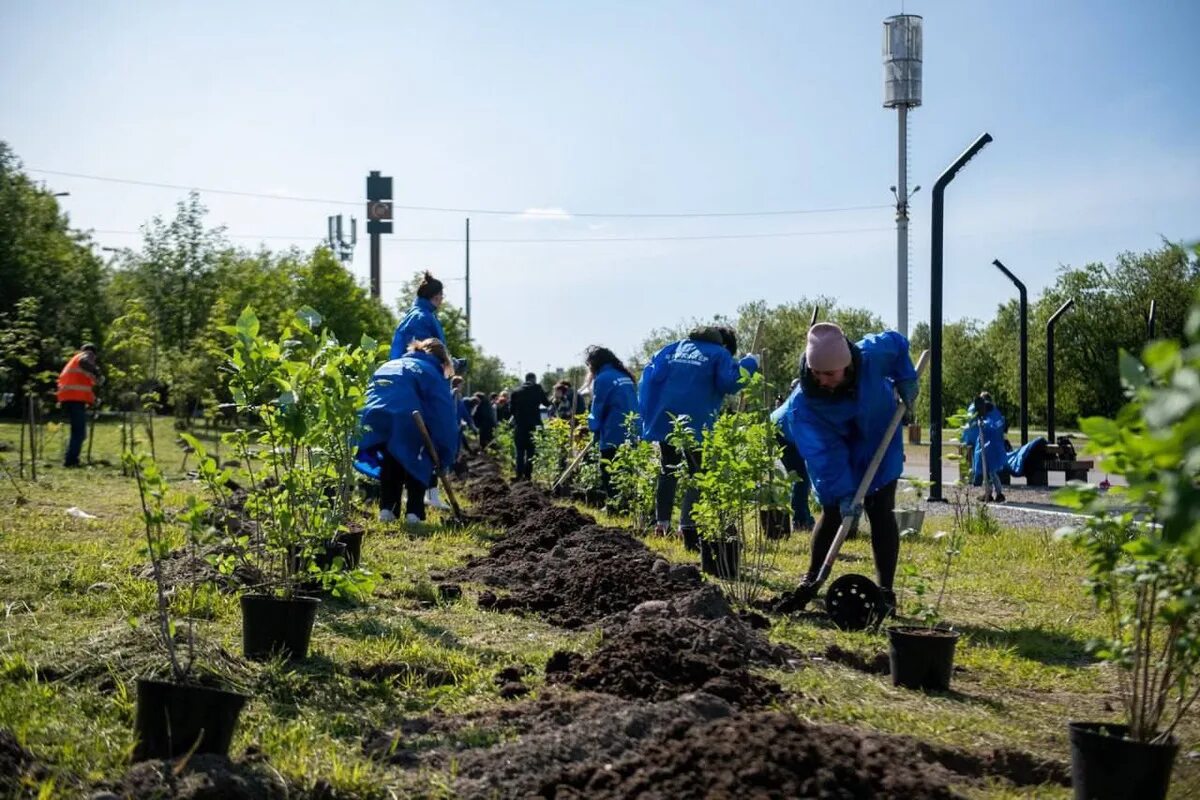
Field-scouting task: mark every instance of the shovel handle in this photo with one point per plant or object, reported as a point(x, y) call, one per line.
point(437, 467)
point(848, 522)
point(571, 467)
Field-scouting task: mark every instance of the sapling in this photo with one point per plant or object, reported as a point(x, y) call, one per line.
point(1143, 539)
point(152, 490)
point(634, 473)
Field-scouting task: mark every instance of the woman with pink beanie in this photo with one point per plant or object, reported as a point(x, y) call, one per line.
point(836, 419)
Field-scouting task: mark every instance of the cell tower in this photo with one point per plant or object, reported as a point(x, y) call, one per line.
point(902, 91)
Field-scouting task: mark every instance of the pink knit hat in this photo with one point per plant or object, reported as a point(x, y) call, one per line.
point(827, 348)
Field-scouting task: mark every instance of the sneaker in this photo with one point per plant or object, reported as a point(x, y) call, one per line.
point(433, 498)
point(1000, 498)
point(985, 498)
point(386, 515)
point(413, 519)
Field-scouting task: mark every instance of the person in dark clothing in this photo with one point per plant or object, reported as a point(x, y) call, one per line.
point(527, 402)
point(567, 401)
point(485, 419)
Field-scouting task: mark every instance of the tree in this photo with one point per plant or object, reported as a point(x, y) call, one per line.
point(348, 310)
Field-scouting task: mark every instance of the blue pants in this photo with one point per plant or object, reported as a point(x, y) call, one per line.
point(793, 462)
point(77, 415)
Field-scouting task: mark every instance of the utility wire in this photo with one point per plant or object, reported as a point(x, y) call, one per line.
point(598, 239)
point(532, 212)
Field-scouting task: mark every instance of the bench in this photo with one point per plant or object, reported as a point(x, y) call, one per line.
point(1075, 470)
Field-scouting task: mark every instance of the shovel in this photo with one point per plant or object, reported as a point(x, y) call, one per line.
point(854, 602)
point(437, 467)
point(570, 470)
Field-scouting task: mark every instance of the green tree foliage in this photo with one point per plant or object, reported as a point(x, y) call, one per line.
point(42, 258)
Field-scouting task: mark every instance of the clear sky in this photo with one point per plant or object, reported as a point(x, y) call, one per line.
point(633, 107)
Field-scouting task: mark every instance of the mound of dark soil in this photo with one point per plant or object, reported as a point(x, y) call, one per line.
point(181, 569)
point(584, 577)
point(762, 755)
point(20, 770)
point(660, 654)
point(204, 777)
point(595, 732)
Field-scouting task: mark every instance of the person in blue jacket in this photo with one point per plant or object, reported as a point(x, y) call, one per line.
point(390, 447)
point(614, 398)
point(688, 378)
point(793, 462)
point(836, 419)
point(421, 321)
point(986, 421)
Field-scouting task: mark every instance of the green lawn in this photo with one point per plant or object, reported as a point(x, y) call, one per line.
point(68, 595)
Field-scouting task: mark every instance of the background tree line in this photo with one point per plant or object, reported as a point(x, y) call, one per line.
point(156, 310)
point(1110, 314)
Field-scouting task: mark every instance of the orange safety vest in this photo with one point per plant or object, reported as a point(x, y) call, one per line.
point(76, 383)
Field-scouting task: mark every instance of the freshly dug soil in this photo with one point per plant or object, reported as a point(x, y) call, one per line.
point(180, 570)
point(205, 777)
point(593, 735)
point(18, 766)
point(762, 755)
point(579, 577)
point(660, 654)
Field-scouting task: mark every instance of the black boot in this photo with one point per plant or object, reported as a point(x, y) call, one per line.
point(888, 610)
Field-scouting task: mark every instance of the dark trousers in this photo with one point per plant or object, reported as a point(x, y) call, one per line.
point(524, 444)
point(794, 462)
point(486, 435)
point(885, 534)
point(77, 415)
point(393, 480)
point(664, 493)
point(606, 455)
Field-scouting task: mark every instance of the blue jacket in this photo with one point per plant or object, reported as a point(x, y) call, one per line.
point(464, 413)
point(398, 388)
point(993, 443)
point(691, 378)
point(837, 433)
point(420, 322)
point(613, 397)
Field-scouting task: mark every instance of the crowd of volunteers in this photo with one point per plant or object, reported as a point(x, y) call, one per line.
point(418, 414)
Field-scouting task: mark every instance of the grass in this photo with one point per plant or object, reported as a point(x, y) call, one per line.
point(68, 592)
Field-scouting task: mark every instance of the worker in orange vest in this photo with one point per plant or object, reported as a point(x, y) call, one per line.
point(76, 391)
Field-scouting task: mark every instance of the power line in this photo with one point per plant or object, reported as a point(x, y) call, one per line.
point(595, 239)
point(529, 212)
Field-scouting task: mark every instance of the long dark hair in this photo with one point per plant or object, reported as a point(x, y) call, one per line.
point(598, 357)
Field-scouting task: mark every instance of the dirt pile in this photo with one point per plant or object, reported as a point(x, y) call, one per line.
point(205, 777)
point(20, 770)
point(763, 755)
point(180, 568)
point(668, 649)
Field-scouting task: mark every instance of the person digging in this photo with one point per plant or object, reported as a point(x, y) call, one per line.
point(836, 419)
point(687, 379)
point(984, 433)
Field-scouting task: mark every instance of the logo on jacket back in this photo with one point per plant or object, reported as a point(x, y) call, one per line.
point(688, 354)
point(623, 381)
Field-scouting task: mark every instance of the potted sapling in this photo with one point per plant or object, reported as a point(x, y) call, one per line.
point(922, 656)
point(909, 514)
point(1142, 541)
point(177, 715)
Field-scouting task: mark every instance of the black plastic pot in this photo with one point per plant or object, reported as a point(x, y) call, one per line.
point(353, 542)
point(171, 718)
point(722, 559)
point(273, 625)
point(776, 523)
point(1107, 766)
point(922, 658)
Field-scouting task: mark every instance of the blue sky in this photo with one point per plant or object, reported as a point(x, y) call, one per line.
point(624, 107)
